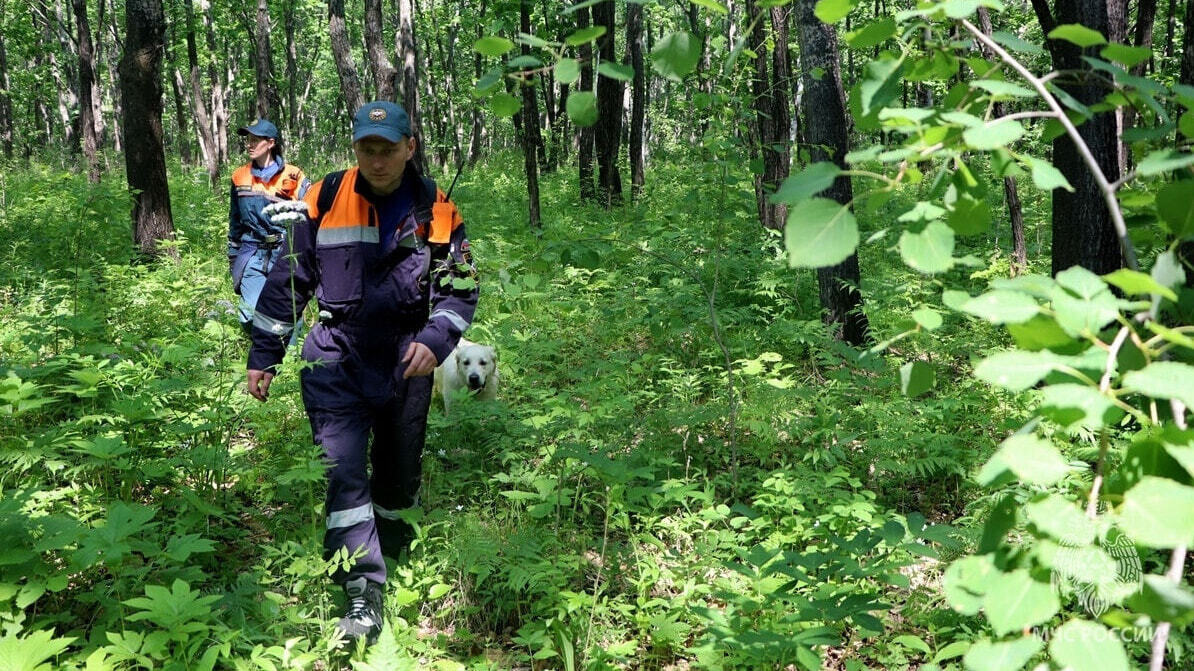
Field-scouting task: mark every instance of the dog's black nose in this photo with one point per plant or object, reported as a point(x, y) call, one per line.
point(474, 381)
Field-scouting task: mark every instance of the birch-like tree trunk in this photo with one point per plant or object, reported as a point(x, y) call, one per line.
point(86, 89)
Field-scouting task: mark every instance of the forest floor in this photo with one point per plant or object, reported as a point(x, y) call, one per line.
point(624, 504)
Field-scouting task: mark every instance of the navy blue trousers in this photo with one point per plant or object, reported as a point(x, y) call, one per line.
point(372, 425)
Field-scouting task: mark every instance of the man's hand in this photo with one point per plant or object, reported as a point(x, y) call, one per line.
point(259, 384)
point(419, 361)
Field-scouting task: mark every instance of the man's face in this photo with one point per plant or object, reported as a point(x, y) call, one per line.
point(381, 162)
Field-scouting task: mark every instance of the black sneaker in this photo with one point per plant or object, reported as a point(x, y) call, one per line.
point(364, 616)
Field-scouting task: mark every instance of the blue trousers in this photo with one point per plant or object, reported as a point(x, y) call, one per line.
point(372, 425)
point(249, 268)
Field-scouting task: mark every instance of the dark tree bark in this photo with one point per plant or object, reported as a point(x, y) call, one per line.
point(608, 129)
point(409, 81)
point(638, 98)
point(207, 143)
point(86, 89)
point(267, 89)
point(1146, 14)
point(530, 126)
point(585, 134)
point(219, 87)
point(1187, 72)
point(771, 99)
point(292, 107)
point(474, 144)
point(1170, 25)
point(383, 70)
point(141, 96)
point(350, 84)
point(824, 107)
point(1082, 230)
point(1010, 192)
point(5, 99)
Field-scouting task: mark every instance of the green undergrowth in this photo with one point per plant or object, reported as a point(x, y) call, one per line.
point(624, 504)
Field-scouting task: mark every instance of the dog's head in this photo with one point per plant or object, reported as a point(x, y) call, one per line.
point(476, 365)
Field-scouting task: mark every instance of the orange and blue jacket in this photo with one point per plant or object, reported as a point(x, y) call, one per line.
point(421, 280)
point(250, 194)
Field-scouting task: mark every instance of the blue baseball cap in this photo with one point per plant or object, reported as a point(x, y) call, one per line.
point(381, 118)
point(260, 128)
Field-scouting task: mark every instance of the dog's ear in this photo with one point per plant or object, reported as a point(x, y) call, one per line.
point(492, 352)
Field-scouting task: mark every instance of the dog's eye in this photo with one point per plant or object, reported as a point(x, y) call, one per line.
point(465, 362)
point(482, 362)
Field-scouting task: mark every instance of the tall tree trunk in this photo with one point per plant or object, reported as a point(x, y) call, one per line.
point(1146, 15)
point(585, 134)
point(408, 55)
point(141, 94)
point(1010, 192)
point(86, 89)
point(1187, 71)
point(180, 110)
point(1082, 230)
point(267, 89)
point(608, 134)
point(824, 106)
point(474, 145)
point(207, 144)
point(350, 84)
point(383, 70)
point(638, 99)
point(1170, 23)
point(5, 97)
point(292, 107)
point(219, 88)
point(771, 111)
point(530, 126)
point(114, 87)
point(63, 74)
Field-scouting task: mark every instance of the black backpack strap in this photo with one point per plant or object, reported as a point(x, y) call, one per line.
point(328, 191)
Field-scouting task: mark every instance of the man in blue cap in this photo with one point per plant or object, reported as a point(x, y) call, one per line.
point(384, 253)
point(253, 240)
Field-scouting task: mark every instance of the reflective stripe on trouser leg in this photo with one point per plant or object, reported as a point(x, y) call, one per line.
point(344, 436)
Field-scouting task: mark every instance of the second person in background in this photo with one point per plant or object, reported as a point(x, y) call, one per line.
point(254, 242)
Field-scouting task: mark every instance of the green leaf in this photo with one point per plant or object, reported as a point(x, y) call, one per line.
point(931, 250)
point(1175, 204)
point(1165, 160)
point(961, 9)
point(1163, 379)
point(922, 211)
point(807, 183)
point(832, 11)
point(1041, 332)
point(1046, 177)
point(955, 649)
point(676, 55)
point(928, 318)
point(567, 70)
point(524, 61)
point(967, 581)
point(31, 652)
point(1033, 460)
point(820, 232)
point(1163, 600)
point(504, 105)
point(1168, 271)
point(584, 36)
point(874, 33)
point(492, 46)
point(993, 136)
point(1158, 513)
point(969, 215)
point(1135, 283)
point(532, 41)
point(1014, 43)
point(916, 378)
point(1060, 519)
point(1185, 124)
point(1125, 55)
point(1016, 601)
point(713, 5)
point(913, 643)
point(1076, 33)
point(622, 73)
point(1005, 656)
point(881, 82)
point(1070, 403)
point(1080, 644)
point(1001, 306)
point(1081, 281)
point(1015, 370)
point(582, 108)
point(1002, 90)
point(438, 590)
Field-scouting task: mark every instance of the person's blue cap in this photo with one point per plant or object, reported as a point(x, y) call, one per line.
point(260, 128)
point(381, 118)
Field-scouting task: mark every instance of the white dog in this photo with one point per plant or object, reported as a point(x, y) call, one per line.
point(469, 366)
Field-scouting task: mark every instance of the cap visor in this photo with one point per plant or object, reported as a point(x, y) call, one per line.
point(388, 134)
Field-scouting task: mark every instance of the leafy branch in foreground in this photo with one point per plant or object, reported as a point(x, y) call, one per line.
point(1110, 366)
